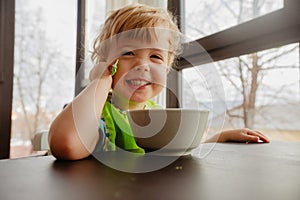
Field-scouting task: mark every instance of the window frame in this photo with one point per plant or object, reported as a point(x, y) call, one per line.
point(7, 33)
point(276, 29)
point(283, 27)
point(80, 45)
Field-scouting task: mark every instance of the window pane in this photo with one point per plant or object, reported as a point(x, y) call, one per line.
point(96, 13)
point(45, 39)
point(203, 18)
point(261, 90)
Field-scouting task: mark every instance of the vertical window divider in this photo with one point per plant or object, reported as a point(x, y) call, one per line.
point(173, 93)
point(80, 45)
point(7, 37)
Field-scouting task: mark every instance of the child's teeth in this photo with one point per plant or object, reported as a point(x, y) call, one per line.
point(138, 82)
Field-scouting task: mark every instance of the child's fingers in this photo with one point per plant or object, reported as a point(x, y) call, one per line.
point(258, 134)
point(250, 138)
point(263, 137)
point(114, 67)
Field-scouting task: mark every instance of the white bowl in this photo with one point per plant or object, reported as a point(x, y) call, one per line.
point(171, 131)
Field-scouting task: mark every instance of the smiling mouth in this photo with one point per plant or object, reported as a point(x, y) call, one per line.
point(138, 83)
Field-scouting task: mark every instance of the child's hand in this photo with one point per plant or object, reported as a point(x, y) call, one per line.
point(243, 135)
point(239, 135)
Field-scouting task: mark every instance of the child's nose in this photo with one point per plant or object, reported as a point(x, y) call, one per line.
point(143, 67)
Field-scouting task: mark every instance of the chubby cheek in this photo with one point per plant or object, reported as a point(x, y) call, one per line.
point(156, 89)
point(160, 77)
point(118, 84)
point(118, 78)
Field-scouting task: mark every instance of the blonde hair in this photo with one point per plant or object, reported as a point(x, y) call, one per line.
point(138, 18)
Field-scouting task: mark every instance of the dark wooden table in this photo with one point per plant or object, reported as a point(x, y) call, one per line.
point(231, 171)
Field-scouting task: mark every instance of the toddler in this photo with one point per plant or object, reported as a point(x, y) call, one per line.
point(133, 55)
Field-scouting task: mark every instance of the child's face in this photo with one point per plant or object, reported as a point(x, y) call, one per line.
point(141, 73)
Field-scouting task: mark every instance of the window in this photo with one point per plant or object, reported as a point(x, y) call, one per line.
point(261, 91)
point(43, 67)
point(231, 35)
point(259, 69)
point(208, 17)
point(45, 52)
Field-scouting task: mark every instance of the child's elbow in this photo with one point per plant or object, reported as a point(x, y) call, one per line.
point(65, 146)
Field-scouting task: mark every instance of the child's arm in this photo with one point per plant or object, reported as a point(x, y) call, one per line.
point(74, 133)
point(239, 135)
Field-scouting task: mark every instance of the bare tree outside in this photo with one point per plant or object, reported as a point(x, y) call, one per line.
point(40, 75)
point(247, 75)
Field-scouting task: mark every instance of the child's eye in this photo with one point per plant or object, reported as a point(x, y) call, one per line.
point(127, 53)
point(157, 57)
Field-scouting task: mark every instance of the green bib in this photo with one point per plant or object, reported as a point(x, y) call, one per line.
point(118, 131)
